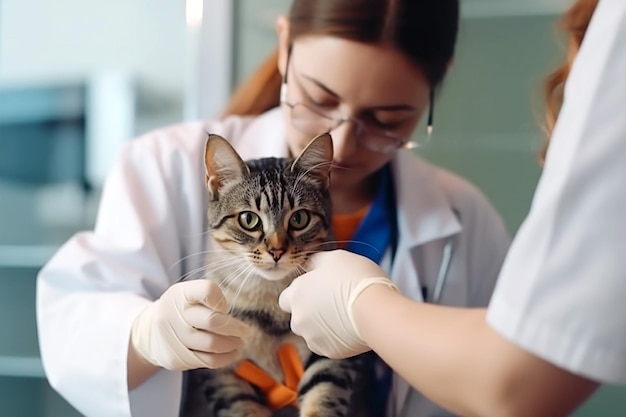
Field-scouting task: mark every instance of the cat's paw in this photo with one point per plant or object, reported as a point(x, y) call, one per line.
point(320, 404)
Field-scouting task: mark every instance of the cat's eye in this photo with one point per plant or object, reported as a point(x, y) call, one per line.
point(249, 221)
point(299, 220)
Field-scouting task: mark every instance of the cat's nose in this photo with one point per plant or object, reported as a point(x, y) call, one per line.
point(276, 244)
point(276, 253)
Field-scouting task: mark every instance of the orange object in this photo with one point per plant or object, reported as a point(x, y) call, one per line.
point(278, 395)
point(346, 225)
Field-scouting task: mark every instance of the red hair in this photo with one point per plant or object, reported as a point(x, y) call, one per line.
point(574, 22)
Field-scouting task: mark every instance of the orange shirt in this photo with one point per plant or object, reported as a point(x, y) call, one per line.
point(346, 225)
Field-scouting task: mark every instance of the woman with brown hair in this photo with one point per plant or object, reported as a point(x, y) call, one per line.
point(116, 330)
point(555, 327)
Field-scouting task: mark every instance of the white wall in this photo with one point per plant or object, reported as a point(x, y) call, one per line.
point(42, 40)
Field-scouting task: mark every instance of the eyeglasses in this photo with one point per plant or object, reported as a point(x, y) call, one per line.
point(312, 121)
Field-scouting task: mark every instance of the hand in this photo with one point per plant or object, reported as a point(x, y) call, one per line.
point(188, 328)
point(321, 302)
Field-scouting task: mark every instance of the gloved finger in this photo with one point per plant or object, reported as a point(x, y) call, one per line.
point(284, 299)
point(203, 318)
point(208, 293)
point(297, 326)
point(317, 259)
point(333, 348)
point(317, 346)
point(201, 341)
point(217, 360)
point(189, 359)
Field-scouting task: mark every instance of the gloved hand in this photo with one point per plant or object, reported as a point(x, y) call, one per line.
point(321, 302)
point(188, 328)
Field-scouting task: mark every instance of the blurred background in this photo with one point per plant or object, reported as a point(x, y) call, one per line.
point(79, 79)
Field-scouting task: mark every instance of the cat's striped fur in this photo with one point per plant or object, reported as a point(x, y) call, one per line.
point(266, 217)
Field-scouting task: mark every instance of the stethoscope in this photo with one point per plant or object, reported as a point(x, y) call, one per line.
point(446, 259)
point(444, 269)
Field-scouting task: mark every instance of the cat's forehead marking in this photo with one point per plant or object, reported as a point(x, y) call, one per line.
point(270, 190)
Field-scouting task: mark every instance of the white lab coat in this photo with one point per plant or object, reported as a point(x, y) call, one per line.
point(149, 232)
point(562, 293)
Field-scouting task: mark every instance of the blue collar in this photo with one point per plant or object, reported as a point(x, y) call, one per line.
point(378, 229)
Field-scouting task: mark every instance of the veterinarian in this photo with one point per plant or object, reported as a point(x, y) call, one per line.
point(556, 326)
point(117, 332)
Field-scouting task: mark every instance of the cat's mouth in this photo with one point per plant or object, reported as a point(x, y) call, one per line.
point(276, 271)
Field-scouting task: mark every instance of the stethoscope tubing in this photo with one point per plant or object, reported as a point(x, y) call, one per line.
point(444, 269)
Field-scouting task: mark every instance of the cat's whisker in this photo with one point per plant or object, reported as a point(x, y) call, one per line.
point(339, 167)
point(305, 173)
point(234, 274)
point(200, 253)
point(210, 268)
point(301, 270)
point(234, 265)
point(358, 242)
point(193, 236)
point(246, 273)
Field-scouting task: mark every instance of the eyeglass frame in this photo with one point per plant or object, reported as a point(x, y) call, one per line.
point(405, 143)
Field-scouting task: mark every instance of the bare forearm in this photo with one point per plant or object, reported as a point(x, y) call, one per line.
point(138, 369)
point(453, 357)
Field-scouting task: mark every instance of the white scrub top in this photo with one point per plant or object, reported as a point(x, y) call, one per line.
point(562, 289)
point(150, 231)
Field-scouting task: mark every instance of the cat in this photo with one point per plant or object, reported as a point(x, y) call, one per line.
point(265, 218)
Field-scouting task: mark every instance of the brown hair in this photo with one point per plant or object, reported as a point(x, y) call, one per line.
point(424, 30)
point(574, 23)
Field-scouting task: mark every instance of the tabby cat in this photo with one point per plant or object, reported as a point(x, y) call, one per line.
point(265, 218)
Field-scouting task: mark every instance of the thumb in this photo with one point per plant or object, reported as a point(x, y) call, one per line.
point(205, 292)
point(284, 300)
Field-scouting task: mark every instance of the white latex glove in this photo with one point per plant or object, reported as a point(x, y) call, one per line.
point(188, 328)
point(321, 302)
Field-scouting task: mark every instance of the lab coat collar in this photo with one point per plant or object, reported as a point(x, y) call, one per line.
point(264, 137)
point(424, 212)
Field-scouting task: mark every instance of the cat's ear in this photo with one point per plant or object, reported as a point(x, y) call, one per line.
point(222, 163)
point(317, 158)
